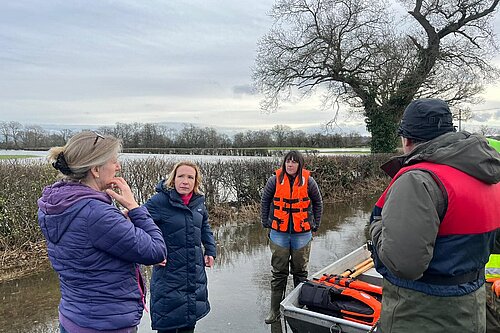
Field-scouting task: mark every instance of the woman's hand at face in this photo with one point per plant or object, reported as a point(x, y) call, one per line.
point(121, 192)
point(209, 261)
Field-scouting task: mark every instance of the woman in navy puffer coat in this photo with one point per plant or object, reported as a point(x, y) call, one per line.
point(179, 294)
point(93, 247)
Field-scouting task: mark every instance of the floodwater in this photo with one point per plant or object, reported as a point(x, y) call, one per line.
point(238, 284)
point(41, 155)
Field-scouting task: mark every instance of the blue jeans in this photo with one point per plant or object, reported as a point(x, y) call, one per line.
point(290, 241)
point(290, 255)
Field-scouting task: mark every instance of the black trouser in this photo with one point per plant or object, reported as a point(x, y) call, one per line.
point(178, 330)
point(492, 310)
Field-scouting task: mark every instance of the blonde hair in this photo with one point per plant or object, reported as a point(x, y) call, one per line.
point(170, 183)
point(84, 151)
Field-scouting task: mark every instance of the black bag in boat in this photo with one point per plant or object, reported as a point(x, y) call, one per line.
point(338, 301)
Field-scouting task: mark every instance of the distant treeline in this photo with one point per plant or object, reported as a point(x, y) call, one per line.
point(14, 135)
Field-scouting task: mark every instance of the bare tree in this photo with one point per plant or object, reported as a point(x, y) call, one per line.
point(361, 54)
point(14, 129)
point(190, 136)
point(4, 130)
point(461, 114)
point(149, 135)
point(32, 136)
point(259, 139)
point(280, 134)
point(65, 134)
point(298, 138)
point(487, 131)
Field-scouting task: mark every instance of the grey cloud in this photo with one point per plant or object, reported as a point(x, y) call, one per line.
point(245, 89)
point(60, 50)
point(119, 58)
point(482, 117)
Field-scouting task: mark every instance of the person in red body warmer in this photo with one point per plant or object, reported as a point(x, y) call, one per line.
point(492, 274)
point(433, 227)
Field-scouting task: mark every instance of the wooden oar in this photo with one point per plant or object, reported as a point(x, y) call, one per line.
point(362, 269)
point(348, 272)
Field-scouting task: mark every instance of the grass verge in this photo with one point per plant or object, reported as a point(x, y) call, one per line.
point(9, 157)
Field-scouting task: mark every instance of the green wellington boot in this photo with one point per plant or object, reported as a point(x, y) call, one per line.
point(274, 313)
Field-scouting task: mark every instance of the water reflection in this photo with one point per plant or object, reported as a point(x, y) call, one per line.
point(238, 284)
point(30, 304)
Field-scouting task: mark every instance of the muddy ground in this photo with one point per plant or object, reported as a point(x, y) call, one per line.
point(18, 263)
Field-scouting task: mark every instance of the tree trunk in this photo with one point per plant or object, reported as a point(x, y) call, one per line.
point(383, 125)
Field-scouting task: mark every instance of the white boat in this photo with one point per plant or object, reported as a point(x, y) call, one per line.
point(302, 320)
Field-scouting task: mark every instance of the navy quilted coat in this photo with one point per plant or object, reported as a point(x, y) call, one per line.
point(95, 251)
point(179, 294)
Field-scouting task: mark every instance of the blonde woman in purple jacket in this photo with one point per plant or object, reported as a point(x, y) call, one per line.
point(92, 246)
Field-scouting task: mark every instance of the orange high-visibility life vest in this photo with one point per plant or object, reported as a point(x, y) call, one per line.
point(346, 303)
point(294, 201)
point(372, 289)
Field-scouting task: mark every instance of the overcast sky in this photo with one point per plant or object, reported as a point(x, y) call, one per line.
point(102, 62)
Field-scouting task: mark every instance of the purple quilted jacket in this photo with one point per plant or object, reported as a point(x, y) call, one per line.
point(96, 252)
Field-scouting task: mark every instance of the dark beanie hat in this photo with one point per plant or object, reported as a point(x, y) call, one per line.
point(425, 119)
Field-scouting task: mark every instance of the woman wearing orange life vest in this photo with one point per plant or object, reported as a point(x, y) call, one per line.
point(291, 207)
